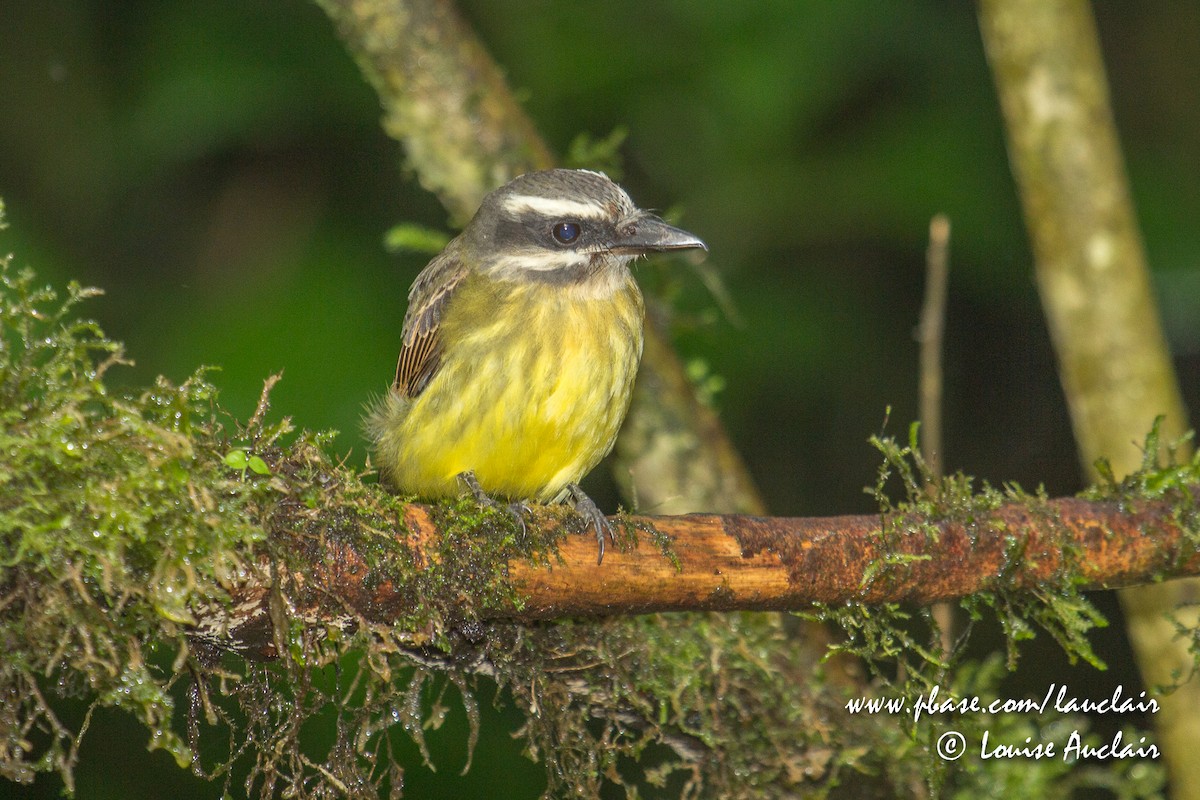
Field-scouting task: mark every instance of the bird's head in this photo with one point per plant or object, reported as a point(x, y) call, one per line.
point(564, 226)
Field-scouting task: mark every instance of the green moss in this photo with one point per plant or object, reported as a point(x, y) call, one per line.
point(1166, 471)
point(117, 518)
point(127, 518)
point(928, 501)
point(124, 520)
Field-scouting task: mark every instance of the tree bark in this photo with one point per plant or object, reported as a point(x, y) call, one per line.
point(1095, 288)
point(731, 563)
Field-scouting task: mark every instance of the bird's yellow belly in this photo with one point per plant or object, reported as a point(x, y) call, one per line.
point(529, 401)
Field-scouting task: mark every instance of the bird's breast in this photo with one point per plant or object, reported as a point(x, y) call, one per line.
point(534, 382)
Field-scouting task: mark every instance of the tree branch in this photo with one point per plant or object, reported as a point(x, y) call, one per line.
point(757, 563)
point(729, 563)
point(1095, 286)
point(134, 523)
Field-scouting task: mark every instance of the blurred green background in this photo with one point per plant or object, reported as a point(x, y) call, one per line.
point(218, 168)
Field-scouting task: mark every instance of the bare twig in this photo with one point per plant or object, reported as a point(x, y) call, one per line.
point(931, 336)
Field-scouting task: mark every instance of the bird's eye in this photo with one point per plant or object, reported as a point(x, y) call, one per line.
point(566, 232)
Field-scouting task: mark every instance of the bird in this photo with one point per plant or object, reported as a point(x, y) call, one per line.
point(520, 346)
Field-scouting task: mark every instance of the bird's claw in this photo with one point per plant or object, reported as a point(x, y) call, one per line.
point(517, 510)
point(587, 508)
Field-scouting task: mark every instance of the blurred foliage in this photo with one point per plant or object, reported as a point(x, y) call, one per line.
point(218, 167)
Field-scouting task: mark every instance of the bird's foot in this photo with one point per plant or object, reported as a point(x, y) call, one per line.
point(518, 510)
point(587, 508)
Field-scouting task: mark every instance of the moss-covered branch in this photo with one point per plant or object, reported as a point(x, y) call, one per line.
point(144, 535)
point(129, 524)
point(138, 531)
point(712, 563)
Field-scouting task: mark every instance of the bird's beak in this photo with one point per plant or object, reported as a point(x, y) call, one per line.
point(645, 233)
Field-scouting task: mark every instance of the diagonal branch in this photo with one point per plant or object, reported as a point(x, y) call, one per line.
point(1096, 290)
point(464, 134)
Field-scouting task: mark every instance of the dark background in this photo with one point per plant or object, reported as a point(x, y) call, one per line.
point(218, 168)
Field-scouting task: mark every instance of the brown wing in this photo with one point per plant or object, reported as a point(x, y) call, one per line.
point(420, 353)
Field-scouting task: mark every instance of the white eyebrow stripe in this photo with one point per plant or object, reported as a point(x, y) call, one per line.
point(555, 207)
point(540, 262)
